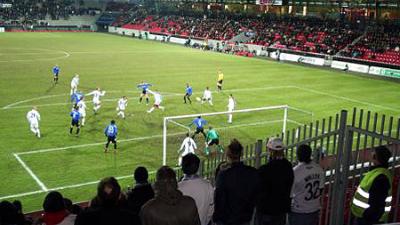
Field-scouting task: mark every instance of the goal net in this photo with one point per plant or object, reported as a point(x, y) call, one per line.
point(247, 126)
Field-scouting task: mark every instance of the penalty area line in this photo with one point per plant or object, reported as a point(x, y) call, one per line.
point(30, 172)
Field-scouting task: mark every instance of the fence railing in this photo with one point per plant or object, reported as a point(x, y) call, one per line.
point(341, 145)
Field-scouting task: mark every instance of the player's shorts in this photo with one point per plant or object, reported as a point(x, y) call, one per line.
point(220, 82)
point(213, 142)
point(206, 99)
point(144, 92)
point(34, 125)
point(56, 74)
point(120, 109)
point(111, 139)
point(199, 130)
point(96, 102)
point(75, 123)
point(83, 114)
point(187, 94)
point(74, 87)
point(156, 105)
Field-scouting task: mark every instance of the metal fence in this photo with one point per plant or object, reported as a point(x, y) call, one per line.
point(341, 145)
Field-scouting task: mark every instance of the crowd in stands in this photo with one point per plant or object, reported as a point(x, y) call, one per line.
point(380, 44)
point(31, 10)
point(242, 195)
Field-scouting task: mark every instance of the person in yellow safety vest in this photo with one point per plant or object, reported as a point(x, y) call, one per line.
point(373, 198)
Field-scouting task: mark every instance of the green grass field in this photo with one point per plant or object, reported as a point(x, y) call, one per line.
point(74, 164)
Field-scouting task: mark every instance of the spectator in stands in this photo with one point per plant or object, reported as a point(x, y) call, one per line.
point(196, 187)
point(307, 189)
point(72, 208)
point(169, 206)
point(276, 180)
point(55, 212)
point(372, 200)
point(235, 190)
point(141, 193)
point(9, 214)
point(107, 207)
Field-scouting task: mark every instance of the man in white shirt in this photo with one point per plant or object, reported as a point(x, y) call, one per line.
point(198, 188)
point(207, 96)
point(122, 104)
point(306, 190)
point(74, 84)
point(188, 146)
point(157, 101)
point(33, 118)
point(96, 99)
point(231, 107)
point(82, 110)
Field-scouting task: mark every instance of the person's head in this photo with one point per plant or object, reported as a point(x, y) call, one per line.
point(190, 164)
point(76, 108)
point(124, 97)
point(112, 122)
point(34, 108)
point(98, 88)
point(304, 153)
point(18, 205)
point(108, 192)
point(199, 117)
point(8, 213)
point(210, 128)
point(77, 75)
point(53, 202)
point(187, 84)
point(275, 147)
point(230, 95)
point(166, 185)
point(141, 175)
point(68, 204)
point(82, 98)
point(207, 88)
point(381, 156)
point(235, 150)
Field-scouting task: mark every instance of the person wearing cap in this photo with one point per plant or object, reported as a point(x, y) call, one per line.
point(235, 190)
point(372, 201)
point(307, 189)
point(275, 184)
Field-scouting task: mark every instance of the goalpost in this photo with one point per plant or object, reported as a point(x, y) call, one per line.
point(241, 119)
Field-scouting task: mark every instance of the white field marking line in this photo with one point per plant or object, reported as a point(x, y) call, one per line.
point(30, 172)
point(13, 105)
point(348, 99)
point(66, 55)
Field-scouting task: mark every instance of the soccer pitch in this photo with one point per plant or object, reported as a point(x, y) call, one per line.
point(59, 161)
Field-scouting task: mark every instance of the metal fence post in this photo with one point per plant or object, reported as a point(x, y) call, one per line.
point(258, 151)
point(337, 191)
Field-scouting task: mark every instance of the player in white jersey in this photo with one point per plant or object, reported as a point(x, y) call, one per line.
point(231, 107)
point(74, 84)
point(82, 110)
point(33, 118)
point(157, 101)
point(96, 99)
point(207, 96)
point(306, 190)
point(188, 146)
point(122, 104)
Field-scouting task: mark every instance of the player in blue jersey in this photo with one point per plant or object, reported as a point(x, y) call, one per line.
point(199, 123)
point(56, 71)
point(75, 115)
point(76, 98)
point(188, 93)
point(111, 132)
point(144, 86)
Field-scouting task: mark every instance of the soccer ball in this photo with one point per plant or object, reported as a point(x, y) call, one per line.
point(198, 99)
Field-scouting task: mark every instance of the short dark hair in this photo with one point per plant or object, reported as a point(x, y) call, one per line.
point(141, 175)
point(383, 155)
point(190, 164)
point(53, 202)
point(112, 121)
point(304, 153)
point(235, 149)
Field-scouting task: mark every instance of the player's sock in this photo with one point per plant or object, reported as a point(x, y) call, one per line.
point(230, 119)
point(147, 101)
point(180, 161)
point(210, 102)
point(38, 133)
point(190, 101)
point(77, 130)
point(151, 110)
point(184, 99)
point(70, 130)
point(83, 121)
point(140, 99)
point(115, 146)
point(161, 107)
point(122, 115)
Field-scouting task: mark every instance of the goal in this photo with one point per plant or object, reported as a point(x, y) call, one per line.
point(248, 125)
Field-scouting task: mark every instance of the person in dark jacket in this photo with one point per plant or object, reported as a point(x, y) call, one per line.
point(169, 206)
point(107, 207)
point(142, 192)
point(372, 200)
point(236, 190)
point(276, 180)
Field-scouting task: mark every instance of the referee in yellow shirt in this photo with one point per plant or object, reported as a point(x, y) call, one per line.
point(220, 80)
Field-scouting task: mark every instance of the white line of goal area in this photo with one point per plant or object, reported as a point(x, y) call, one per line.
point(397, 110)
point(46, 189)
